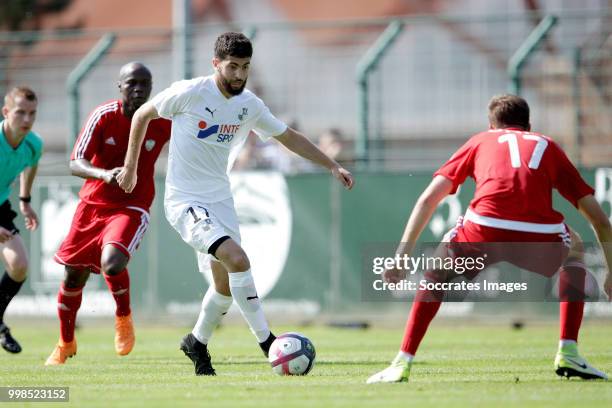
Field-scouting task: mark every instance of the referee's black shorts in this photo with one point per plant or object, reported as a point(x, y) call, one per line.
point(7, 215)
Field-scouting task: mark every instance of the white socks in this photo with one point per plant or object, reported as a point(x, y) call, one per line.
point(214, 306)
point(565, 343)
point(407, 357)
point(243, 290)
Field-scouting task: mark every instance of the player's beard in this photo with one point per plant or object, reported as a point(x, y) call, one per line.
point(228, 87)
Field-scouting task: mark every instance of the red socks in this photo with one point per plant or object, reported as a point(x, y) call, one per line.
point(571, 295)
point(119, 286)
point(68, 303)
point(424, 308)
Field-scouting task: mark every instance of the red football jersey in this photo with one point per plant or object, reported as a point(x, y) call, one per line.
point(103, 141)
point(515, 172)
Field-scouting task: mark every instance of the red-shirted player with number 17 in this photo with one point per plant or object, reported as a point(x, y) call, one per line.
point(108, 224)
point(515, 171)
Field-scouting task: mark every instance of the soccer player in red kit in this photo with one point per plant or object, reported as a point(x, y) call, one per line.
point(515, 171)
point(108, 224)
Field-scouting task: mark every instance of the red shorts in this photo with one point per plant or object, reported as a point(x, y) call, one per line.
point(536, 252)
point(93, 227)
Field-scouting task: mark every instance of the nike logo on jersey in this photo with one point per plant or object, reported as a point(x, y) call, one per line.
point(149, 144)
point(212, 112)
point(252, 297)
point(110, 141)
point(581, 365)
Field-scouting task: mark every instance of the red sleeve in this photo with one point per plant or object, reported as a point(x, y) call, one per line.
point(459, 166)
point(566, 178)
point(167, 127)
point(90, 138)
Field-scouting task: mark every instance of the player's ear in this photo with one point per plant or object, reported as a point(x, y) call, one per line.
point(5, 111)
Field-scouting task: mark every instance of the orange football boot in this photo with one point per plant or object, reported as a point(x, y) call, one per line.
point(61, 352)
point(124, 334)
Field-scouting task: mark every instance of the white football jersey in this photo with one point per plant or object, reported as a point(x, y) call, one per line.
point(208, 131)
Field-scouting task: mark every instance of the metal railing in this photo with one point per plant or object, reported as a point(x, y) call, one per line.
point(427, 93)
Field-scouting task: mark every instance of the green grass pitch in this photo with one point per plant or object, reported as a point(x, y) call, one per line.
point(461, 365)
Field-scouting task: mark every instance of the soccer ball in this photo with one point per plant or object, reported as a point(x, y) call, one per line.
point(292, 354)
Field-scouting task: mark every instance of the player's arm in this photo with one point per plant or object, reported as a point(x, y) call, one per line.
point(300, 145)
point(83, 168)
point(424, 208)
point(570, 184)
point(88, 144)
point(140, 121)
point(592, 211)
point(26, 179)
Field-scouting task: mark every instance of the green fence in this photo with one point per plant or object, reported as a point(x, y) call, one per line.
point(323, 245)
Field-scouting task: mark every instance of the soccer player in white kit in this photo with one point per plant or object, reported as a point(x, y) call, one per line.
point(211, 119)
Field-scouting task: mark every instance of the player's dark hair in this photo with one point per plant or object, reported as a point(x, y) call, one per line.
point(22, 91)
point(232, 44)
point(509, 111)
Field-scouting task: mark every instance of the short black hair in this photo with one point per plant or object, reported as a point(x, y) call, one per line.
point(509, 110)
point(232, 44)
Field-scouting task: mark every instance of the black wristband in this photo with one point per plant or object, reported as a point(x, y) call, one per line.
point(25, 199)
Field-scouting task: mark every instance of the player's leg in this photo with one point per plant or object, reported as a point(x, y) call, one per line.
point(215, 305)
point(213, 229)
point(424, 308)
point(242, 287)
point(69, 299)
point(572, 275)
point(15, 261)
point(120, 238)
point(198, 227)
point(571, 290)
point(113, 264)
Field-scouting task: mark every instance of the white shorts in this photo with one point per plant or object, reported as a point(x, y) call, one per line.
point(201, 224)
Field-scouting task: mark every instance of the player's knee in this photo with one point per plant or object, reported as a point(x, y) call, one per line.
point(111, 268)
point(577, 247)
point(240, 262)
point(18, 269)
point(231, 255)
point(75, 278)
point(237, 261)
point(113, 262)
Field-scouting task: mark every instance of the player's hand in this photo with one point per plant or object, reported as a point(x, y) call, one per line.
point(344, 176)
point(394, 275)
point(110, 176)
point(608, 286)
point(127, 179)
point(31, 219)
point(5, 235)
